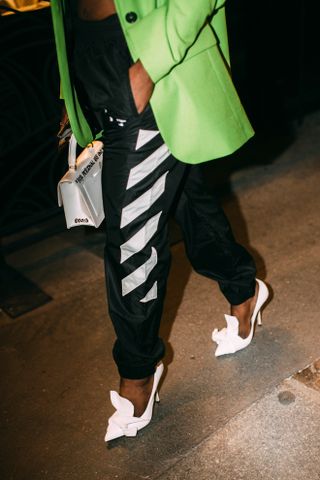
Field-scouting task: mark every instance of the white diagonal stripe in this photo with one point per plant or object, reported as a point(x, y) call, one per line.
point(140, 239)
point(152, 294)
point(140, 275)
point(145, 136)
point(147, 166)
point(144, 202)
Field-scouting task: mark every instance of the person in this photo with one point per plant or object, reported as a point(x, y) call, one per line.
point(154, 77)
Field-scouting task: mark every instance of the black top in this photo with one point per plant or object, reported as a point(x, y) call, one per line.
point(101, 61)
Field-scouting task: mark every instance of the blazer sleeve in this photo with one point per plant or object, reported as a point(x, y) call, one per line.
point(162, 38)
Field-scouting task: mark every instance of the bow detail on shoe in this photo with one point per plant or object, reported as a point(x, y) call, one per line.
point(121, 404)
point(123, 420)
point(228, 339)
point(232, 330)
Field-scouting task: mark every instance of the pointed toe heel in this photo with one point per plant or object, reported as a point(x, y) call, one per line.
point(123, 422)
point(228, 339)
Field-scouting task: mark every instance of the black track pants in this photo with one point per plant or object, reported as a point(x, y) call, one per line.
point(142, 184)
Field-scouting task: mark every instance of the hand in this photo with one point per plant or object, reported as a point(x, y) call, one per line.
point(64, 122)
point(65, 132)
point(141, 85)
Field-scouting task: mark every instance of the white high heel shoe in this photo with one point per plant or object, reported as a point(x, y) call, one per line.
point(228, 339)
point(123, 422)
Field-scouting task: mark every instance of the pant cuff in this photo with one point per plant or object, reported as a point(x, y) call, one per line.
point(136, 373)
point(236, 296)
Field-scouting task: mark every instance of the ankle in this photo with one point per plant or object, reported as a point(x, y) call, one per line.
point(244, 312)
point(138, 383)
point(137, 392)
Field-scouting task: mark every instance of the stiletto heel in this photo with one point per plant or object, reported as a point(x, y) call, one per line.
point(228, 339)
point(157, 397)
point(123, 422)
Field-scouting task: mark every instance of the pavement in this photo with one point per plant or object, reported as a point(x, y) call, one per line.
point(253, 415)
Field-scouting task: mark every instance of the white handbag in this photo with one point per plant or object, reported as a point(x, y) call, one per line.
point(80, 190)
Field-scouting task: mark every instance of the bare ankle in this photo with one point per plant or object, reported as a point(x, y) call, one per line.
point(137, 392)
point(244, 312)
point(138, 383)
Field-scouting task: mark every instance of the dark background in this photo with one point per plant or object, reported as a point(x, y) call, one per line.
point(275, 64)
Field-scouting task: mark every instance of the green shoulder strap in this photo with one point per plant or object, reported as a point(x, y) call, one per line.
point(79, 124)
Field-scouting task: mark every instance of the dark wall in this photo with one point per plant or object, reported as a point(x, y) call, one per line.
point(275, 58)
point(29, 118)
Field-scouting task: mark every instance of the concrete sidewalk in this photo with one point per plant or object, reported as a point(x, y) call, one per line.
point(224, 418)
point(275, 438)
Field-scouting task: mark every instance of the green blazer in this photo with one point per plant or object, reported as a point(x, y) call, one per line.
point(183, 46)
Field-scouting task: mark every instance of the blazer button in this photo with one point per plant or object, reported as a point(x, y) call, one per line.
point(131, 17)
